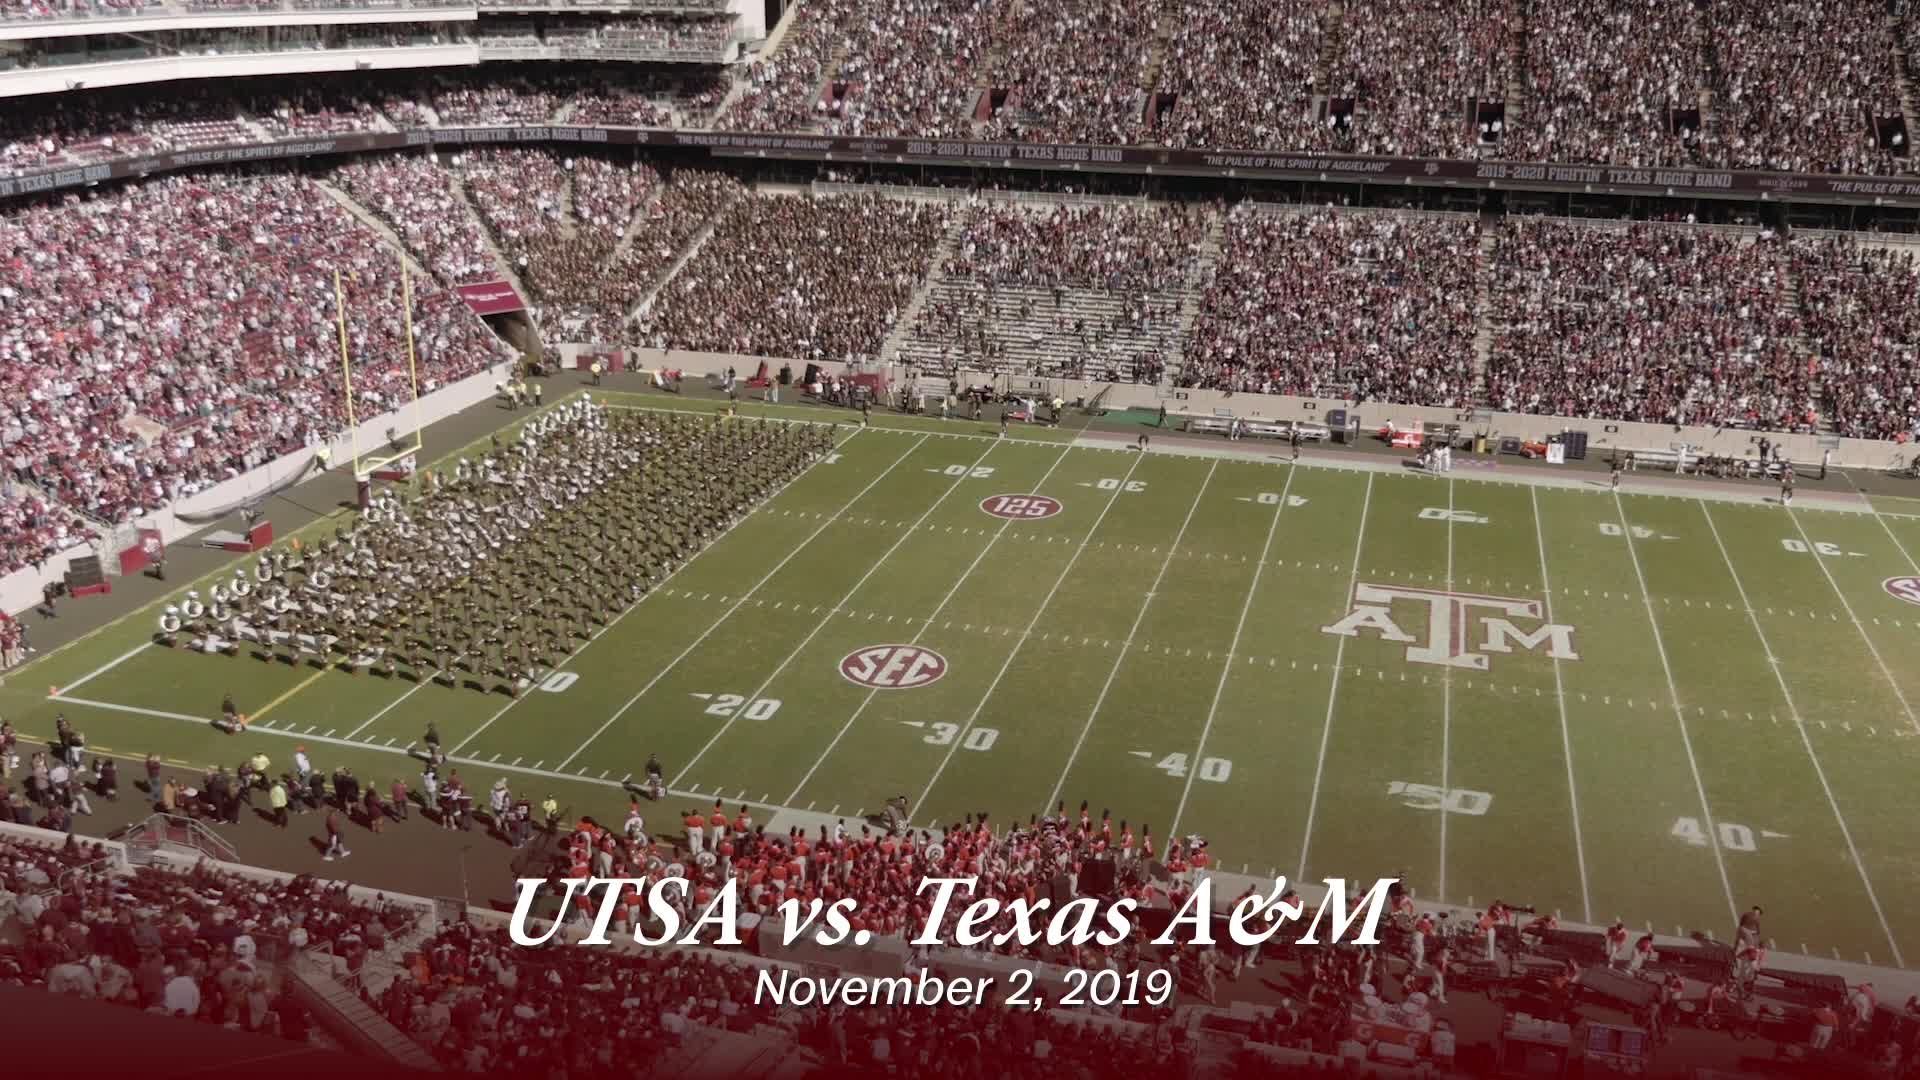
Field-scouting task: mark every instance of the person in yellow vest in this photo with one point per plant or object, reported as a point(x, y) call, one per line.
point(550, 810)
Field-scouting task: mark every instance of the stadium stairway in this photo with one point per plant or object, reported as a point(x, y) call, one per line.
point(645, 303)
point(1903, 72)
point(372, 221)
point(458, 184)
point(632, 231)
point(1482, 314)
point(352, 1021)
point(829, 71)
point(1199, 276)
point(1331, 20)
point(936, 269)
point(569, 224)
point(772, 45)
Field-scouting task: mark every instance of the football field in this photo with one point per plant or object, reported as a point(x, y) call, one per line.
point(1656, 708)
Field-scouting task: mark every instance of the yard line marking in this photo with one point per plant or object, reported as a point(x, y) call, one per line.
point(1679, 710)
point(1805, 740)
point(388, 709)
point(1898, 694)
point(1233, 646)
point(924, 624)
point(1333, 689)
point(1898, 546)
point(715, 542)
point(872, 569)
point(1020, 642)
point(1560, 696)
point(1446, 711)
point(1120, 656)
point(297, 687)
point(104, 668)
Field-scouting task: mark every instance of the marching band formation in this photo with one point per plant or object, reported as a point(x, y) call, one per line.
point(458, 582)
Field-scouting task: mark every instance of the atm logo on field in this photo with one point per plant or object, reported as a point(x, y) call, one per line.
point(1461, 628)
point(893, 667)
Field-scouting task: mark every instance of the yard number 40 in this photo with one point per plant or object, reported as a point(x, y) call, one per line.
point(1732, 837)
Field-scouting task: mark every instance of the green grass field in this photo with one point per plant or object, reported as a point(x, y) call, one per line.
point(1729, 721)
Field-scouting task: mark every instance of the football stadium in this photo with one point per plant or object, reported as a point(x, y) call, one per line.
point(486, 482)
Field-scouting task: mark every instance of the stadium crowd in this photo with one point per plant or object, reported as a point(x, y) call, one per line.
point(84, 126)
point(800, 278)
point(1859, 316)
point(1375, 307)
point(148, 348)
point(1079, 291)
point(1120, 248)
point(1794, 88)
point(1410, 67)
point(1073, 74)
point(1662, 324)
point(1242, 75)
point(1799, 84)
point(889, 87)
point(1601, 85)
point(416, 199)
point(683, 39)
point(779, 89)
point(564, 223)
point(197, 944)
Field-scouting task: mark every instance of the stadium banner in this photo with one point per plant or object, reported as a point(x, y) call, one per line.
point(1230, 164)
point(491, 298)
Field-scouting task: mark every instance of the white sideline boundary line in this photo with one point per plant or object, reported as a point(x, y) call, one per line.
point(400, 751)
point(1679, 710)
point(1446, 714)
point(1847, 606)
point(624, 612)
point(925, 625)
point(1233, 649)
point(1805, 739)
point(1020, 642)
point(1333, 688)
point(1120, 657)
point(872, 569)
point(1566, 736)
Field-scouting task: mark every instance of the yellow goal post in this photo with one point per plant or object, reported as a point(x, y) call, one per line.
point(406, 448)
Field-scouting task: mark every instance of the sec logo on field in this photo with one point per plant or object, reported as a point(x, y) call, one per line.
point(1020, 507)
point(893, 667)
point(1903, 588)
